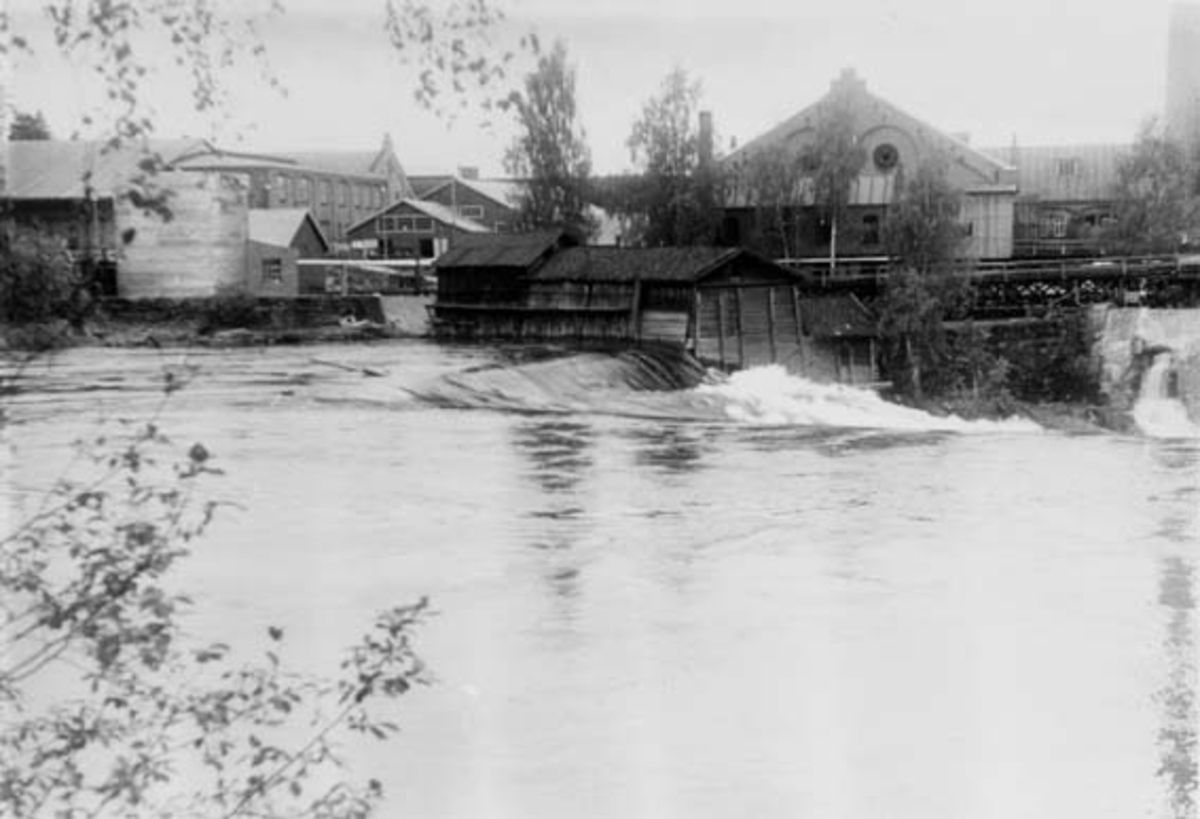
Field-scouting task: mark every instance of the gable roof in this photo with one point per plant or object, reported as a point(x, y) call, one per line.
point(620, 264)
point(279, 226)
point(1065, 173)
point(871, 113)
point(521, 250)
point(505, 192)
point(64, 169)
point(433, 210)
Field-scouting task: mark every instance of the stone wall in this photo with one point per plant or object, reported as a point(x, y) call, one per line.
point(1127, 340)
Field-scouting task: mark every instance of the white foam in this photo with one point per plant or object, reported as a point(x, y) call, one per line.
point(770, 396)
point(1157, 413)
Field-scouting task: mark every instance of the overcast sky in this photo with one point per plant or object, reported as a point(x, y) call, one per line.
point(1039, 71)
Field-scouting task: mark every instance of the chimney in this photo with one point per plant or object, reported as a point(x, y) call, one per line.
point(848, 82)
point(706, 139)
point(469, 172)
point(1183, 73)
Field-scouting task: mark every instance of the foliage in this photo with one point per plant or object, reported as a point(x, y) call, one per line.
point(229, 308)
point(773, 179)
point(922, 230)
point(832, 160)
point(26, 126)
point(673, 203)
point(912, 310)
point(113, 710)
point(923, 291)
point(551, 152)
point(451, 44)
point(37, 280)
point(1156, 207)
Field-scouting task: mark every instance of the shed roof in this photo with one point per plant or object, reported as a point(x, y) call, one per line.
point(837, 317)
point(64, 169)
point(279, 226)
point(617, 264)
point(520, 250)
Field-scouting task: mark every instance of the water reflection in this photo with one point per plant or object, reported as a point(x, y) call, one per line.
point(668, 449)
point(559, 456)
point(1176, 594)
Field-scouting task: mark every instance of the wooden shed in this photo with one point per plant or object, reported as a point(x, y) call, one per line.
point(729, 307)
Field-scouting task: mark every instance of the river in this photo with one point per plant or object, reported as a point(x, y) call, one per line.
point(744, 600)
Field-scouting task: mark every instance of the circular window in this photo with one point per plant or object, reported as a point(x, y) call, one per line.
point(886, 156)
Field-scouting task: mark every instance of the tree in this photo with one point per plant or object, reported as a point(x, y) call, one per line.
point(551, 152)
point(1156, 208)
point(924, 238)
point(922, 229)
point(153, 724)
point(147, 721)
point(675, 195)
point(772, 181)
point(26, 126)
point(832, 161)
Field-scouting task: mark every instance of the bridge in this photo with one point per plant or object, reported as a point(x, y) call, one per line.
point(1027, 288)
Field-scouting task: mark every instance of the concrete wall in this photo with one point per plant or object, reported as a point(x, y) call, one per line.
point(200, 249)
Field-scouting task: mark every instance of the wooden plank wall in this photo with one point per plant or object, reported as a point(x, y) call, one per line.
point(750, 326)
point(201, 248)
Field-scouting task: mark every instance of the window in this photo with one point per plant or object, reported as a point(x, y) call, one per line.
point(885, 156)
point(870, 230)
point(272, 271)
point(1054, 226)
point(326, 191)
point(1067, 166)
point(471, 211)
point(423, 224)
point(281, 187)
point(500, 227)
point(343, 193)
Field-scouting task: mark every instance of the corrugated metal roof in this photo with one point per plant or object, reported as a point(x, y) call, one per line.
point(614, 264)
point(1065, 173)
point(520, 250)
point(279, 226)
point(836, 317)
point(62, 169)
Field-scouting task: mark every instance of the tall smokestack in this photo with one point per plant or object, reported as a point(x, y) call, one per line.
point(1183, 74)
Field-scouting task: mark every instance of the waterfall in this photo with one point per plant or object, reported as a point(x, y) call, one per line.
point(1159, 412)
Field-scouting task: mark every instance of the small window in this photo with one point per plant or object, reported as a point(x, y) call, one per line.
point(885, 156)
point(471, 211)
point(500, 227)
point(272, 271)
point(281, 187)
point(870, 230)
point(1067, 166)
point(405, 224)
point(343, 193)
point(423, 224)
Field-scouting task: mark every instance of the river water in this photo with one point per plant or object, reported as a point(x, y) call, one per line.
point(756, 599)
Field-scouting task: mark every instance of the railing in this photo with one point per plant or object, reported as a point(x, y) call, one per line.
point(854, 270)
